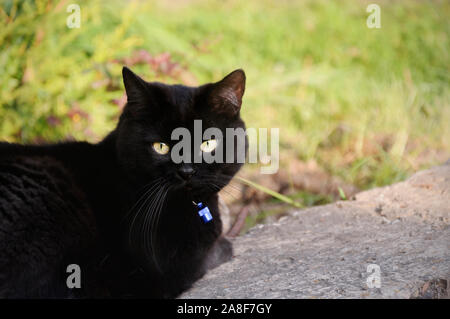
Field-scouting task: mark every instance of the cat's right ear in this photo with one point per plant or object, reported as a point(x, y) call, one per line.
point(226, 95)
point(135, 87)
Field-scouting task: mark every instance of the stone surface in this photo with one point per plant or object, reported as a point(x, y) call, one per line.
point(324, 252)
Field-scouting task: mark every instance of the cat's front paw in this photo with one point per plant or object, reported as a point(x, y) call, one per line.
point(221, 252)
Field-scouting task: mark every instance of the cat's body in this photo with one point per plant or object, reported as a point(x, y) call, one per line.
point(117, 209)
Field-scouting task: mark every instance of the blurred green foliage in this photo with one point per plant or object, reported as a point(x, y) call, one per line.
point(371, 105)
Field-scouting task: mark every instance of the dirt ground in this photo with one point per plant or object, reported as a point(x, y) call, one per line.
point(327, 251)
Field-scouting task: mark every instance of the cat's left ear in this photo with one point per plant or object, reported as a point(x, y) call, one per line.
point(226, 95)
point(135, 87)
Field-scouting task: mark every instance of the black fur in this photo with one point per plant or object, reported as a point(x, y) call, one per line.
point(94, 204)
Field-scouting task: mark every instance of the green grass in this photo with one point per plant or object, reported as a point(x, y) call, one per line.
point(370, 105)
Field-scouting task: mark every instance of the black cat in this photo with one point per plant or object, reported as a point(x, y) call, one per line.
point(121, 209)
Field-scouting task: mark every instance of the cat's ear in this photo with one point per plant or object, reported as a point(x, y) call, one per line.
point(135, 87)
point(226, 95)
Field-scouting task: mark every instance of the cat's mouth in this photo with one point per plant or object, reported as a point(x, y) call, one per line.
point(191, 187)
point(194, 189)
point(197, 185)
point(182, 185)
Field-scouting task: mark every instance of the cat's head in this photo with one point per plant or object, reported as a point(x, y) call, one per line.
point(154, 110)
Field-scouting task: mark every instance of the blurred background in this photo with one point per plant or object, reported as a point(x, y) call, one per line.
point(356, 107)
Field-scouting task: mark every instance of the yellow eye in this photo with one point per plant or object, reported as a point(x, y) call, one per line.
point(161, 148)
point(208, 146)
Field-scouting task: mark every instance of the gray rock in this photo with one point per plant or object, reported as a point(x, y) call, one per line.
point(325, 251)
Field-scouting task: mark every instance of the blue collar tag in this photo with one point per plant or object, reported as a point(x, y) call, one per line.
point(204, 213)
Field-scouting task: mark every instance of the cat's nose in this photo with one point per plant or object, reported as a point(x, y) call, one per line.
point(186, 172)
